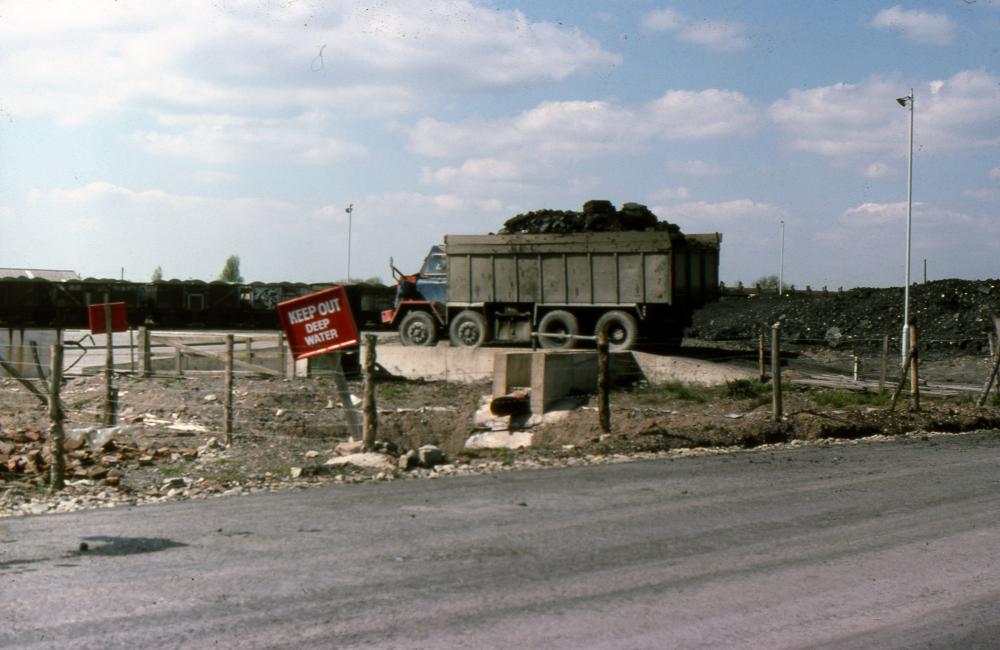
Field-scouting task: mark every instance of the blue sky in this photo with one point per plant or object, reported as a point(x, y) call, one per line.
point(135, 134)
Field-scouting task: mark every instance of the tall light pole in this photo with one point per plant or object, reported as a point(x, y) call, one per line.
point(781, 261)
point(907, 102)
point(350, 213)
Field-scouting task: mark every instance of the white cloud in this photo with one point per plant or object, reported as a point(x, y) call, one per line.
point(680, 193)
point(916, 26)
point(697, 168)
point(983, 194)
point(878, 170)
point(224, 138)
point(995, 173)
point(662, 20)
point(76, 62)
point(863, 120)
point(590, 128)
point(720, 35)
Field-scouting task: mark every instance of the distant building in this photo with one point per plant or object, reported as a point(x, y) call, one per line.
point(45, 274)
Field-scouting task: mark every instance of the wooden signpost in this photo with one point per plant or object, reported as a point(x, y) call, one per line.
point(322, 323)
point(107, 318)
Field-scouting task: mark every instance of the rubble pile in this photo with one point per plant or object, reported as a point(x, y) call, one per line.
point(597, 216)
point(951, 315)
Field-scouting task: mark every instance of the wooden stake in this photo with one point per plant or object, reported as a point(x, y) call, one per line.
point(761, 359)
point(885, 365)
point(989, 380)
point(109, 366)
point(283, 355)
point(776, 405)
point(145, 354)
point(902, 379)
point(603, 383)
point(914, 374)
point(370, 408)
point(57, 472)
point(227, 423)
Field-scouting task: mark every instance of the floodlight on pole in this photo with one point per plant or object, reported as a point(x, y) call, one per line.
point(907, 102)
point(781, 261)
point(350, 213)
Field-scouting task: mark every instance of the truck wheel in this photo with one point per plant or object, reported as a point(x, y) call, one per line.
point(418, 328)
point(621, 329)
point(468, 329)
point(558, 322)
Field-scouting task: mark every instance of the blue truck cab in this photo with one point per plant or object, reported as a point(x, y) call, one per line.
point(419, 308)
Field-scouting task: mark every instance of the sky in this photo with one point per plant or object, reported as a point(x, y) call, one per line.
point(137, 135)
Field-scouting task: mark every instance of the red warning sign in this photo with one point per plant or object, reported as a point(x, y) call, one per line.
point(95, 318)
point(318, 323)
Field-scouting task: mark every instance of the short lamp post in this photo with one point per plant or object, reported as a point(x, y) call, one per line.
point(907, 102)
point(350, 212)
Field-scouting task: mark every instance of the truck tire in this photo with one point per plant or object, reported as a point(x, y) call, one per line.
point(558, 322)
point(468, 329)
point(418, 328)
point(621, 328)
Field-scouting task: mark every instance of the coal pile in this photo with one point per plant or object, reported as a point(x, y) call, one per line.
point(950, 315)
point(596, 216)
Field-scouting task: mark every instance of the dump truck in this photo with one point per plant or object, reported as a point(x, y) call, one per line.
point(556, 288)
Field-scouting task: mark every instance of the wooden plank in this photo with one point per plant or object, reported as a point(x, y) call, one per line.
point(12, 371)
point(221, 357)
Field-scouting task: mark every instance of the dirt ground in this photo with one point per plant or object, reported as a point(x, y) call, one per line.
point(169, 438)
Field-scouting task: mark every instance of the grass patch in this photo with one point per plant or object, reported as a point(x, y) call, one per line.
point(171, 471)
point(393, 390)
point(842, 398)
point(747, 389)
point(674, 391)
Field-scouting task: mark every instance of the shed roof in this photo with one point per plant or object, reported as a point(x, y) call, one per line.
point(55, 275)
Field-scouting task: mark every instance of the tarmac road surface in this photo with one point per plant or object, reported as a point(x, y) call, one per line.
point(872, 545)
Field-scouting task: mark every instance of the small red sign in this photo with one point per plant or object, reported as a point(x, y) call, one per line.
point(95, 316)
point(318, 323)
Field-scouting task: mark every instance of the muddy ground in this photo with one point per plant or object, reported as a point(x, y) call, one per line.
point(170, 436)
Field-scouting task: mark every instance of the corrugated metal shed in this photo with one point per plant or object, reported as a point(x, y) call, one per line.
point(54, 275)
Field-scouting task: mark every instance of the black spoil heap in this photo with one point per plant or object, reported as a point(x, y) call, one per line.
point(950, 315)
point(596, 216)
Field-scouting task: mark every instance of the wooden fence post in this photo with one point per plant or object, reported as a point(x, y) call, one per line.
point(227, 406)
point(145, 352)
point(857, 366)
point(761, 360)
point(776, 372)
point(885, 364)
point(109, 366)
point(370, 408)
point(603, 383)
point(282, 355)
point(914, 366)
point(249, 342)
point(57, 471)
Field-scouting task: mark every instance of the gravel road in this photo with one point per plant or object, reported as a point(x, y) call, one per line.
point(888, 544)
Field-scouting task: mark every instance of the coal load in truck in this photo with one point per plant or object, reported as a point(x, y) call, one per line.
point(598, 215)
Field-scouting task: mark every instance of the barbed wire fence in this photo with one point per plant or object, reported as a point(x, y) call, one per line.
point(316, 406)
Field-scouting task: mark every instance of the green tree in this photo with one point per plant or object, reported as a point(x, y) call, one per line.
point(158, 274)
point(768, 283)
point(231, 271)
